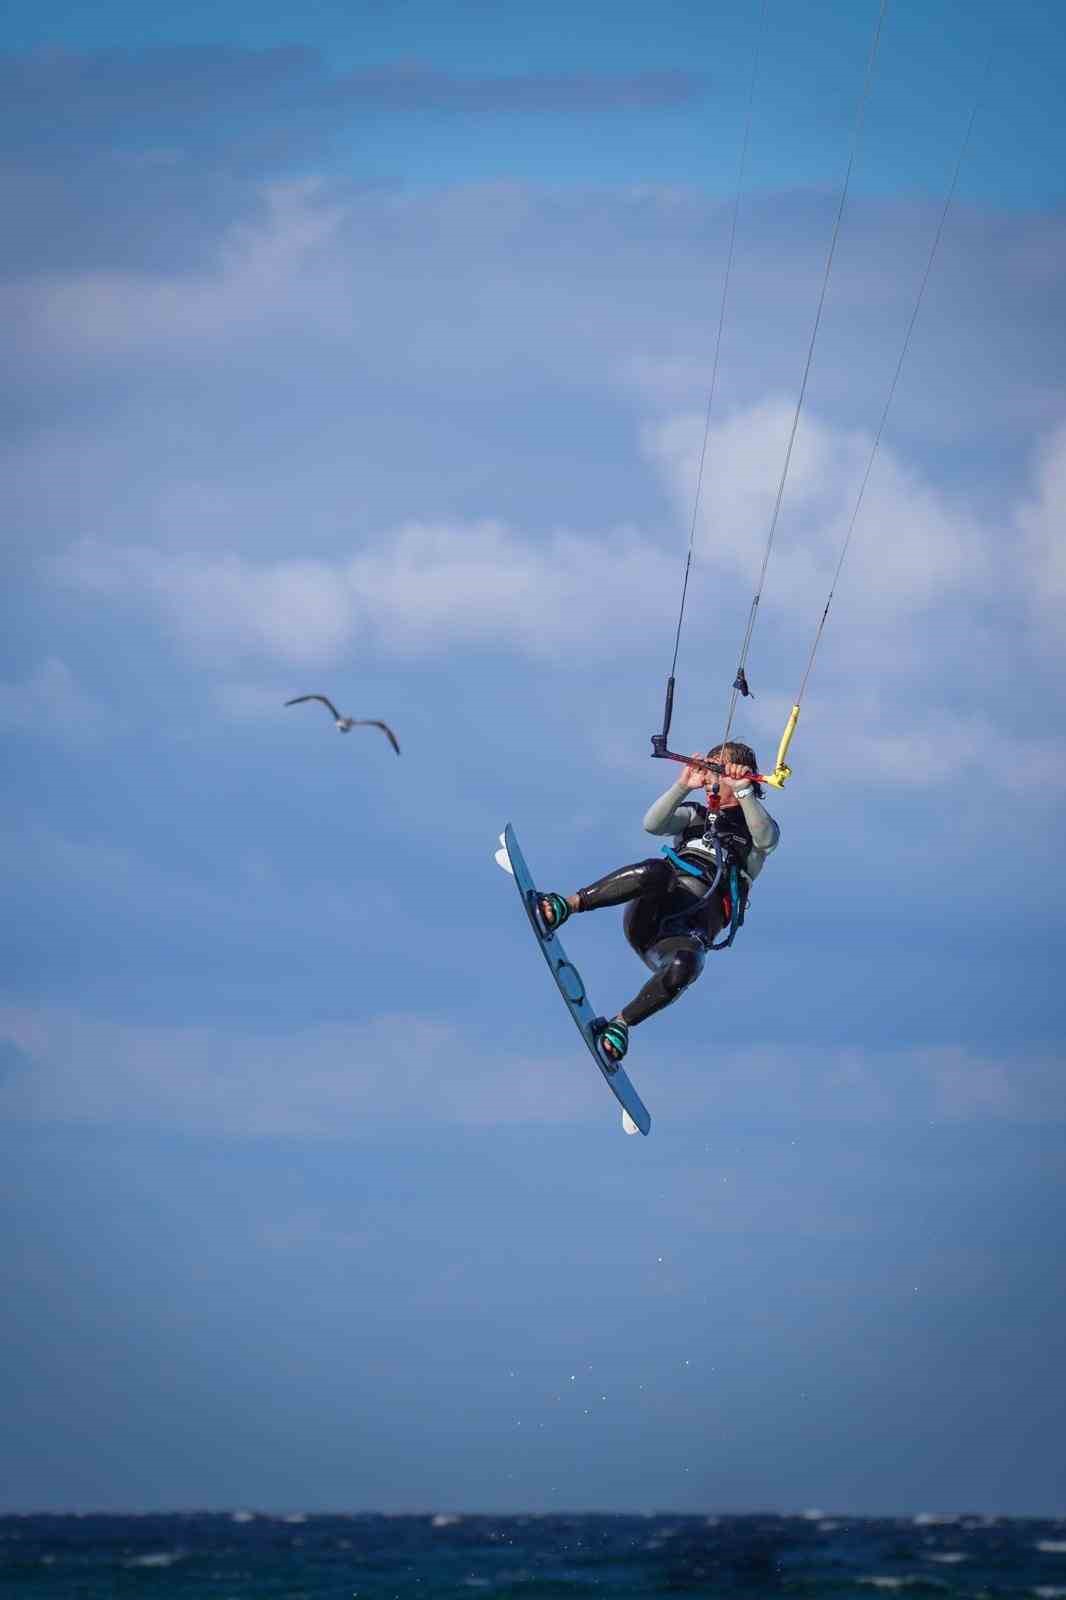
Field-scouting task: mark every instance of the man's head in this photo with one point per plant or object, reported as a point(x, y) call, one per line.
point(737, 754)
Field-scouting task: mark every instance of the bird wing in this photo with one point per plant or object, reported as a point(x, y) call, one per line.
point(370, 722)
point(300, 698)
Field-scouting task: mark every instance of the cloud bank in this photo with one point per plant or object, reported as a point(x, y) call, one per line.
point(419, 588)
point(349, 1081)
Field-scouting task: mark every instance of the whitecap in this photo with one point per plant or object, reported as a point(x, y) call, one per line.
point(1052, 1547)
point(933, 1519)
point(948, 1557)
point(1049, 1591)
point(242, 1516)
point(444, 1519)
point(297, 1516)
point(895, 1583)
point(157, 1558)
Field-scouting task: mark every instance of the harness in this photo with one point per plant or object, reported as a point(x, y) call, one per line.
point(728, 882)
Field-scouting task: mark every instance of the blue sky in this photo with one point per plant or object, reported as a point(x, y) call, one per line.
point(366, 350)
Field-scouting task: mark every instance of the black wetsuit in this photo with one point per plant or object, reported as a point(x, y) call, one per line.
point(670, 920)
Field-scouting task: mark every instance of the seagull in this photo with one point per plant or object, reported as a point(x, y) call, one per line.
point(346, 724)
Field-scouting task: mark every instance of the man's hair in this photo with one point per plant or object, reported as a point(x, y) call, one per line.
point(741, 755)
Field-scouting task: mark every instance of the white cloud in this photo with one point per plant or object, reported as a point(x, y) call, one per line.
point(950, 1083)
point(912, 678)
point(303, 611)
point(340, 1081)
point(249, 702)
point(913, 645)
point(911, 544)
point(51, 702)
point(931, 749)
point(485, 582)
point(244, 892)
point(1042, 524)
point(423, 586)
point(123, 312)
point(427, 584)
point(327, 1082)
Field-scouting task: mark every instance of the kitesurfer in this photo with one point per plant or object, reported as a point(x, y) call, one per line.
point(678, 903)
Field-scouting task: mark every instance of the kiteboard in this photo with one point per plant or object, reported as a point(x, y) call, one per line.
point(635, 1116)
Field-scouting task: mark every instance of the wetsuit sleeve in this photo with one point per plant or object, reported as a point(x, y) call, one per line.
point(763, 829)
point(669, 814)
point(761, 825)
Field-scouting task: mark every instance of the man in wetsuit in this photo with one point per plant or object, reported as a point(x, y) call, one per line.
point(671, 920)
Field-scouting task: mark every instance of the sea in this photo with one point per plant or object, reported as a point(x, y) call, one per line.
point(242, 1554)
